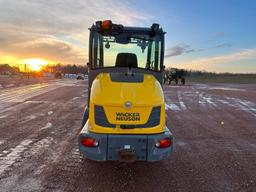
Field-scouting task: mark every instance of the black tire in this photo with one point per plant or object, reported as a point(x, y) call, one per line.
point(176, 81)
point(183, 81)
point(85, 116)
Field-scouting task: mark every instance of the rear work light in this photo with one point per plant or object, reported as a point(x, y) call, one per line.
point(164, 143)
point(89, 142)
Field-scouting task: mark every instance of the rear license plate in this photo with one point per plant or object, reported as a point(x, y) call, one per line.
point(127, 155)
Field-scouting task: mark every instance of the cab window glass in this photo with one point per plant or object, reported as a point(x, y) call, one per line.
point(106, 48)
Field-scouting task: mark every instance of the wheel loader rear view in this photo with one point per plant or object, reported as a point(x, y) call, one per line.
point(125, 116)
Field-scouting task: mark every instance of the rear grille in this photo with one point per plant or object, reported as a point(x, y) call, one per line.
point(101, 119)
point(153, 120)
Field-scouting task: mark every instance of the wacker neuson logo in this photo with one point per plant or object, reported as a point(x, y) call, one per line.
point(127, 116)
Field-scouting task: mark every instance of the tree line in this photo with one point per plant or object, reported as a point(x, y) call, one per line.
point(6, 69)
point(66, 69)
point(75, 69)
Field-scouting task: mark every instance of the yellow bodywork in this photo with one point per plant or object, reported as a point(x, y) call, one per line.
point(112, 96)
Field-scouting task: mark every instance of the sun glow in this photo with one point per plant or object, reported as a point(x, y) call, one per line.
point(34, 64)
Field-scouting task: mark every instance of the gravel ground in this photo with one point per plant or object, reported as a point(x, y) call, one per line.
point(15, 81)
point(213, 124)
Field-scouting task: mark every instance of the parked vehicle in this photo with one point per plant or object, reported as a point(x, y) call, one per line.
point(176, 75)
point(80, 76)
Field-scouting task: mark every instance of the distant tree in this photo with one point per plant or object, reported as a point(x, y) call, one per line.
point(66, 69)
point(6, 69)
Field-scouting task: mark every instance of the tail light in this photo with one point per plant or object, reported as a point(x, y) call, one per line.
point(89, 142)
point(164, 143)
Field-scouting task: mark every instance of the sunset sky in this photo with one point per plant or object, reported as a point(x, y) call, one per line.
point(208, 35)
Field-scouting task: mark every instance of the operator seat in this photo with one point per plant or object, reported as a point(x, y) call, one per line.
point(126, 60)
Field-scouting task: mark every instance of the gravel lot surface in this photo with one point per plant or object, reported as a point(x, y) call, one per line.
point(215, 141)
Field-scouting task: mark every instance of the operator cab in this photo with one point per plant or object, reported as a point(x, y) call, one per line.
point(125, 51)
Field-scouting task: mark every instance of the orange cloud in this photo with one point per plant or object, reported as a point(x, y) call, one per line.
point(56, 30)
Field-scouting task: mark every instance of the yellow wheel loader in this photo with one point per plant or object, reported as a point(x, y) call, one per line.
point(125, 116)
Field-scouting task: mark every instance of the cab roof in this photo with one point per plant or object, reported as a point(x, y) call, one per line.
point(116, 29)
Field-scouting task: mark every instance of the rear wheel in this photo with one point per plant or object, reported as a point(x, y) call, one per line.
point(183, 81)
point(85, 116)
